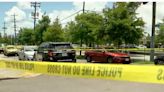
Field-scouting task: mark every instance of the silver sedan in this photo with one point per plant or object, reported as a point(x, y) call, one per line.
point(27, 53)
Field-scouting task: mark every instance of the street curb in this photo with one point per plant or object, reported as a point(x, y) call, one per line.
point(15, 74)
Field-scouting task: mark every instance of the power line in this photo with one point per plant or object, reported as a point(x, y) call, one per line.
point(35, 14)
point(70, 15)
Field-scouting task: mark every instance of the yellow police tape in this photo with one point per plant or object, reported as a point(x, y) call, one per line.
point(135, 73)
point(122, 49)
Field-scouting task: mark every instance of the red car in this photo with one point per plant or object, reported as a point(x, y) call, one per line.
point(107, 57)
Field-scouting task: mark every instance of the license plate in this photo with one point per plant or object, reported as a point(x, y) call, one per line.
point(59, 51)
point(64, 54)
point(45, 52)
point(127, 59)
point(51, 58)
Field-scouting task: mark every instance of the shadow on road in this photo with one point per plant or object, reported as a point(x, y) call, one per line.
point(1, 79)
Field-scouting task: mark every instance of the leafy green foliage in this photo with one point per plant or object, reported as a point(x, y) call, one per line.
point(41, 28)
point(122, 24)
point(116, 25)
point(70, 32)
point(54, 32)
point(26, 36)
point(85, 28)
point(160, 35)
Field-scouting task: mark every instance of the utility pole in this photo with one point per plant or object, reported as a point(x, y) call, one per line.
point(4, 28)
point(83, 7)
point(15, 27)
point(35, 14)
point(153, 32)
point(82, 26)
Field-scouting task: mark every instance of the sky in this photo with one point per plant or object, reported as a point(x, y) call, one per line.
point(62, 10)
point(23, 10)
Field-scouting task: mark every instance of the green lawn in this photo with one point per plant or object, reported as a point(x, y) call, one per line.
point(135, 61)
point(80, 57)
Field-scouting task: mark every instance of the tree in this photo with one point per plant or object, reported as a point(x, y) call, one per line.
point(160, 35)
point(85, 28)
point(54, 32)
point(41, 27)
point(123, 26)
point(70, 32)
point(26, 36)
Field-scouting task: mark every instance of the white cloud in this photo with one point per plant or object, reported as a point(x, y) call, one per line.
point(20, 15)
point(24, 5)
point(95, 6)
point(145, 11)
point(25, 19)
point(40, 13)
point(21, 19)
point(62, 15)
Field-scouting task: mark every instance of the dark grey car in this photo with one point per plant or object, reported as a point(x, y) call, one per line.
point(159, 60)
point(55, 51)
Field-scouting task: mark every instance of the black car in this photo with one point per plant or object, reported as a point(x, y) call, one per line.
point(159, 60)
point(54, 51)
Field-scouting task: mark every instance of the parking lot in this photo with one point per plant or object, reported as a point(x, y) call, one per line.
point(133, 56)
point(39, 82)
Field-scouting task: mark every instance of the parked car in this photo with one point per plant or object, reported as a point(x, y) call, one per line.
point(128, 46)
point(141, 46)
point(2, 45)
point(54, 51)
point(159, 60)
point(27, 53)
point(10, 50)
point(107, 57)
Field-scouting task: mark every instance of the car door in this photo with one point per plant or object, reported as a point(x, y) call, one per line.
point(98, 55)
point(39, 53)
point(20, 53)
point(41, 50)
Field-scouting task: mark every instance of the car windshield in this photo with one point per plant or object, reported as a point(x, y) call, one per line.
point(29, 48)
point(10, 48)
point(61, 46)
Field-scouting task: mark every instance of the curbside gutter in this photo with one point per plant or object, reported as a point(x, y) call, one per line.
point(15, 74)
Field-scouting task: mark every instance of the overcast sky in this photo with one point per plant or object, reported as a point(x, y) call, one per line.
point(62, 10)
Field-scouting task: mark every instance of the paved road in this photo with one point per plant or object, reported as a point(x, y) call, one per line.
point(63, 84)
point(8, 58)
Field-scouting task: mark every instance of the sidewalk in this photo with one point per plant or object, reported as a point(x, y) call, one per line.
point(12, 74)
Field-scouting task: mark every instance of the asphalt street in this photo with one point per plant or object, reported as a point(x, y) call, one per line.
point(45, 83)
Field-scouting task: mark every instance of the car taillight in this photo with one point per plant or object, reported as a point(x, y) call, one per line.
point(50, 53)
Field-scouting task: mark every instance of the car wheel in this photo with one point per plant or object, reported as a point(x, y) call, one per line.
point(109, 60)
point(89, 59)
point(55, 60)
point(160, 62)
point(155, 61)
point(5, 54)
point(35, 58)
point(26, 59)
point(19, 58)
point(74, 60)
point(16, 54)
point(126, 62)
